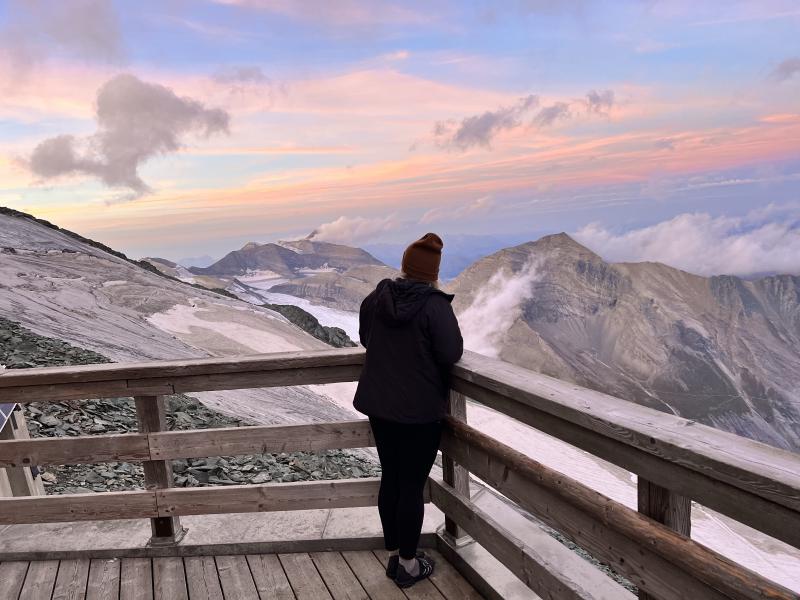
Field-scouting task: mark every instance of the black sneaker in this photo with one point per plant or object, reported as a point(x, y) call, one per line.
point(404, 580)
point(394, 560)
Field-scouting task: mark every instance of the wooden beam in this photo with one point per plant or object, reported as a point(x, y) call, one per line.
point(668, 508)
point(749, 465)
point(78, 507)
point(128, 447)
point(455, 475)
point(551, 574)
point(261, 440)
point(104, 373)
point(176, 384)
point(152, 416)
point(269, 497)
point(750, 502)
point(228, 441)
point(656, 559)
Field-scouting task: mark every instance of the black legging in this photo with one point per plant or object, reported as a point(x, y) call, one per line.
point(407, 453)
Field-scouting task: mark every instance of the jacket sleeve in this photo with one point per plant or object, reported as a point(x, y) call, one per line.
point(365, 316)
point(446, 340)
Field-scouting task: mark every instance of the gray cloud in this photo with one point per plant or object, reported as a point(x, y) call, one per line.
point(599, 102)
point(479, 130)
point(242, 75)
point(786, 69)
point(85, 29)
point(550, 114)
point(135, 121)
point(665, 144)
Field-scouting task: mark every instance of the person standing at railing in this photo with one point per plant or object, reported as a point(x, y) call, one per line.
point(412, 339)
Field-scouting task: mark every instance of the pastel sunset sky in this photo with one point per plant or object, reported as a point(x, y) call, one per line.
point(649, 129)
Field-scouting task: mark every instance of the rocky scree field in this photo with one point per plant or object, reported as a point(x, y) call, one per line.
point(20, 348)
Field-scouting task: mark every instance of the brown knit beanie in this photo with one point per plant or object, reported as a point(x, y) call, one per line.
point(421, 259)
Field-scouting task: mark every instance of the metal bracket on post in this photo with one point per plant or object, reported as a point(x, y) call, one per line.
point(456, 476)
point(152, 416)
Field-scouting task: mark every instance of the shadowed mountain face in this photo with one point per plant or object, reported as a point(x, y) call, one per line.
point(288, 259)
point(720, 350)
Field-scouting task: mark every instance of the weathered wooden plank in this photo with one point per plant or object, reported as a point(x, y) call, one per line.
point(169, 579)
point(103, 581)
point(269, 577)
point(269, 497)
point(251, 440)
point(303, 577)
point(12, 577)
point(550, 572)
point(235, 577)
point(202, 579)
point(30, 392)
point(666, 507)
point(78, 507)
point(756, 511)
point(758, 468)
point(152, 416)
point(40, 580)
point(656, 559)
point(340, 580)
point(181, 368)
point(262, 379)
point(127, 447)
point(423, 590)
point(136, 579)
point(175, 384)
point(73, 575)
point(449, 581)
point(455, 475)
point(372, 575)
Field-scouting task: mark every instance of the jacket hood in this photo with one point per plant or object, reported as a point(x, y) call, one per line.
point(399, 300)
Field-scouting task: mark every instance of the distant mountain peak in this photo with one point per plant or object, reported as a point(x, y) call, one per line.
point(562, 241)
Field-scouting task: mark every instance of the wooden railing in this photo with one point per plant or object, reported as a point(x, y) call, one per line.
point(676, 461)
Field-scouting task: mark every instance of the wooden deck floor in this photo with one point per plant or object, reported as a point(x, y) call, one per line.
point(313, 576)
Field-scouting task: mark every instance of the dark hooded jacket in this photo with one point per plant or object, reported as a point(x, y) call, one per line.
point(412, 339)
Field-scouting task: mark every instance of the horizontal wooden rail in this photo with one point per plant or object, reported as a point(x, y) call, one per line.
point(175, 502)
point(655, 558)
point(56, 384)
point(561, 575)
point(229, 441)
point(754, 483)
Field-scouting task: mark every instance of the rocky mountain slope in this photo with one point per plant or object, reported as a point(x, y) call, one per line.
point(287, 259)
point(343, 291)
point(60, 285)
point(720, 350)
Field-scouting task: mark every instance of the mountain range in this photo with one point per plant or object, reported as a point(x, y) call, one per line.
point(719, 350)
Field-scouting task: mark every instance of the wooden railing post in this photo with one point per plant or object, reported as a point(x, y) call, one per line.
point(454, 474)
point(664, 506)
point(152, 415)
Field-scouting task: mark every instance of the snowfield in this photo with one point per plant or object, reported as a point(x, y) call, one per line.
point(257, 292)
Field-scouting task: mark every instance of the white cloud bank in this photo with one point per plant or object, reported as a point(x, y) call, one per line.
point(495, 307)
point(764, 241)
point(355, 230)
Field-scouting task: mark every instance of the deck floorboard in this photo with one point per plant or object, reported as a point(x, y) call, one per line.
point(355, 575)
